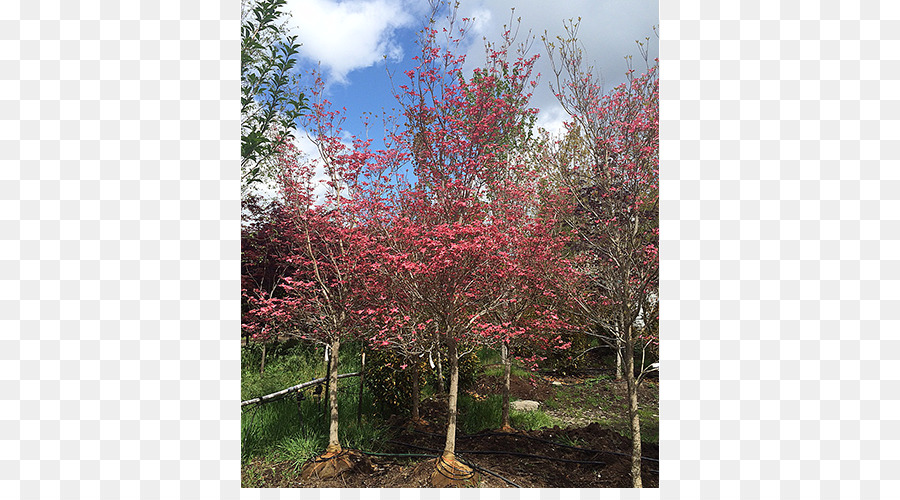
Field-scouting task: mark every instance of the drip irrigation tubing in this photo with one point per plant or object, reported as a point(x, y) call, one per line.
point(485, 434)
point(514, 453)
point(482, 469)
point(453, 472)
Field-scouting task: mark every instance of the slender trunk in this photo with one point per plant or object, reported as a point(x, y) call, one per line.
point(415, 389)
point(326, 400)
point(504, 354)
point(262, 364)
point(362, 380)
point(633, 409)
point(440, 374)
point(450, 445)
point(619, 347)
point(334, 445)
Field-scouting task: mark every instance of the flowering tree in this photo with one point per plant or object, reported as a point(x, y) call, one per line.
point(446, 236)
point(614, 187)
point(267, 240)
point(317, 299)
point(530, 310)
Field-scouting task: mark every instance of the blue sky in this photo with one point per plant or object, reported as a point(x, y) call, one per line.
point(350, 39)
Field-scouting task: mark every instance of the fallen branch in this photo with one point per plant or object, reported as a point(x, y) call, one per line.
point(283, 392)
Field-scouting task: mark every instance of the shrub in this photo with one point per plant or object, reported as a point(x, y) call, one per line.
point(389, 377)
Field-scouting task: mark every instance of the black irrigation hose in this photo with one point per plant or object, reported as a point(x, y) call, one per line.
point(625, 455)
point(453, 472)
point(587, 450)
point(528, 455)
point(483, 452)
point(482, 469)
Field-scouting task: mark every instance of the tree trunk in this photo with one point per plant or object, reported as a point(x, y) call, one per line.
point(507, 363)
point(633, 409)
point(362, 380)
point(449, 471)
point(326, 399)
point(415, 390)
point(262, 364)
point(334, 445)
point(619, 348)
point(440, 374)
point(450, 445)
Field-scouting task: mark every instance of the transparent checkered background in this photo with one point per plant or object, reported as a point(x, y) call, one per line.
point(119, 248)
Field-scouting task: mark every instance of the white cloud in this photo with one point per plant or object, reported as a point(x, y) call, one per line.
point(345, 36)
point(481, 20)
point(552, 119)
point(607, 33)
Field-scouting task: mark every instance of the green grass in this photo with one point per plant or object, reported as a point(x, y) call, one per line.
point(531, 420)
point(279, 431)
point(570, 441)
point(489, 356)
point(289, 366)
point(598, 394)
point(490, 361)
point(476, 416)
point(649, 425)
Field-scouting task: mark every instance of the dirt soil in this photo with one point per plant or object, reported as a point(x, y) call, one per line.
point(606, 453)
point(535, 388)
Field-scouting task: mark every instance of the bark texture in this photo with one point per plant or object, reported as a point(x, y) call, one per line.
point(450, 445)
point(414, 365)
point(619, 349)
point(334, 445)
point(504, 422)
point(633, 409)
point(262, 364)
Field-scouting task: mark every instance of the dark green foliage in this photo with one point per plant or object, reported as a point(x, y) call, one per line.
point(390, 383)
point(267, 101)
point(469, 366)
point(468, 371)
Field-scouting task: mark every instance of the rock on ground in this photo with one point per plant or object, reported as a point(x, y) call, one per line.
point(524, 405)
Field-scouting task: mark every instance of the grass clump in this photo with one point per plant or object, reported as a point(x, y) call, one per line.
point(292, 431)
point(531, 420)
point(476, 416)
